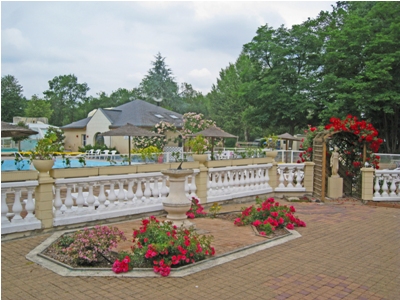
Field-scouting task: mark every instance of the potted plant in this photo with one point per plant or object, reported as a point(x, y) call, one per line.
point(42, 154)
point(199, 145)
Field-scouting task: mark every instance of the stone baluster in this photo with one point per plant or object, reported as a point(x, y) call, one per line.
point(299, 178)
point(213, 184)
point(90, 198)
point(80, 200)
point(193, 187)
point(69, 202)
point(17, 207)
point(102, 197)
point(385, 187)
point(139, 192)
point(111, 195)
point(281, 177)
point(121, 193)
point(237, 181)
point(30, 206)
point(377, 186)
point(164, 189)
point(4, 207)
point(392, 186)
point(58, 202)
point(290, 178)
point(266, 178)
point(226, 185)
point(147, 190)
point(130, 194)
point(156, 191)
point(220, 184)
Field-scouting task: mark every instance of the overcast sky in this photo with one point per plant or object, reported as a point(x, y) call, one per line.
point(111, 45)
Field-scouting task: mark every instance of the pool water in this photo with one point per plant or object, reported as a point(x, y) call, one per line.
point(9, 165)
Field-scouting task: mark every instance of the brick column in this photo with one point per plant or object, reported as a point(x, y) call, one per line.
point(309, 176)
point(201, 183)
point(367, 183)
point(44, 200)
point(273, 177)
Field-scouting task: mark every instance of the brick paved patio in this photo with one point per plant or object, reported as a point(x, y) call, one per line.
point(347, 251)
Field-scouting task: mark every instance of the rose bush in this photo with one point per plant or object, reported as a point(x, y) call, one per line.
point(268, 215)
point(349, 135)
point(163, 246)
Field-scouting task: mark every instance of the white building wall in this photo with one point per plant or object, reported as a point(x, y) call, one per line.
point(98, 123)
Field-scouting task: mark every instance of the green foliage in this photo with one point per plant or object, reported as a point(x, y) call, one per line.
point(64, 94)
point(12, 101)
point(45, 147)
point(59, 137)
point(198, 144)
point(149, 153)
point(37, 107)
point(159, 85)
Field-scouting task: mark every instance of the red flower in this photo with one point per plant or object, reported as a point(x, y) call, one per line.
point(290, 226)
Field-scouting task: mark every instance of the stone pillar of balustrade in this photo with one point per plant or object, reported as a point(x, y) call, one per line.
point(367, 183)
point(273, 177)
point(202, 183)
point(308, 181)
point(44, 201)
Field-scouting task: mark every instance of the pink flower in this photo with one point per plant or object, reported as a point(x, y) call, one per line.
point(290, 226)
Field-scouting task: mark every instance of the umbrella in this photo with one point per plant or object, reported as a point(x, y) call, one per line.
point(9, 130)
point(130, 130)
point(213, 132)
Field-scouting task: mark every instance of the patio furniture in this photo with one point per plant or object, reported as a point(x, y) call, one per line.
point(105, 152)
point(113, 154)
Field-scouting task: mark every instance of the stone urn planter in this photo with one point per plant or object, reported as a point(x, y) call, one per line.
point(201, 158)
point(43, 166)
point(177, 204)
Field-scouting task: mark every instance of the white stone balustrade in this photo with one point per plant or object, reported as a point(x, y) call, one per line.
point(145, 193)
point(386, 187)
point(290, 178)
point(235, 182)
point(11, 219)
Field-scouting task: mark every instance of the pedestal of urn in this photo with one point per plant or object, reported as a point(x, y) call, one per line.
point(177, 204)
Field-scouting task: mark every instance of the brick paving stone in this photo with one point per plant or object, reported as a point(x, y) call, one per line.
point(345, 252)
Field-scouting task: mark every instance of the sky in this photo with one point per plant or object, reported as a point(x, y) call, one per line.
point(110, 45)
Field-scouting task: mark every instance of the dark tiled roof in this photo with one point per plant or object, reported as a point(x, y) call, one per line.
point(143, 114)
point(138, 112)
point(77, 125)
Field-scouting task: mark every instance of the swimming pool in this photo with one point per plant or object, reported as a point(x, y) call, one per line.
point(9, 164)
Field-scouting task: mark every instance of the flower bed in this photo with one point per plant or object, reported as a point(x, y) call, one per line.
point(268, 215)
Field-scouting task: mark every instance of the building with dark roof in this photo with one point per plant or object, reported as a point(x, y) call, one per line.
point(139, 113)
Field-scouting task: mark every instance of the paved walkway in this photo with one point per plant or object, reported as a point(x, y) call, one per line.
point(347, 251)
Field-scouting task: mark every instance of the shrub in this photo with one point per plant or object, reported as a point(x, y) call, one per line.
point(90, 244)
point(196, 210)
point(269, 215)
point(162, 246)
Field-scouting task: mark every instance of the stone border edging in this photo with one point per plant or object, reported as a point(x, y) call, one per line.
point(59, 268)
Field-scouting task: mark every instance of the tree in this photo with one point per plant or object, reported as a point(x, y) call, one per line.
point(230, 98)
point(287, 61)
point(38, 108)
point(12, 100)
point(159, 86)
point(192, 100)
point(361, 68)
point(64, 94)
